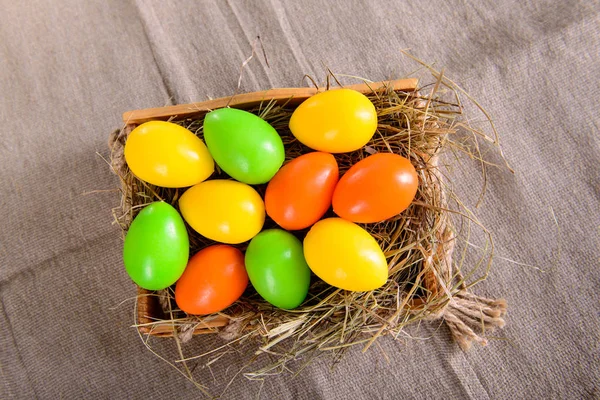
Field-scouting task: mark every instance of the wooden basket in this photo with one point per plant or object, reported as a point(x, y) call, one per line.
point(462, 311)
point(149, 310)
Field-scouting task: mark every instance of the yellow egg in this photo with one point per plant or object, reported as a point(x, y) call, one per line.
point(344, 255)
point(225, 211)
point(168, 155)
point(335, 121)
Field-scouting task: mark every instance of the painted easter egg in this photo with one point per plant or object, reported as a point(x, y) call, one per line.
point(300, 193)
point(335, 121)
point(168, 155)
point(277, 268)
point(245, 146)
point(376, 188)
point(156, 247)
point(223, 210)
point(214, 279)
point(344, 255)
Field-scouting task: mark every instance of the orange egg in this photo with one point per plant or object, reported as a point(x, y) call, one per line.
point(376, 188)
point(300, 193)
point(213, 280)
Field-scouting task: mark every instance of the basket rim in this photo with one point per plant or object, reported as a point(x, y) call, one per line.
point(290, 95)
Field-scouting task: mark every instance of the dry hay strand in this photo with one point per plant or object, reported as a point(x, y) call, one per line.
point(425, 281)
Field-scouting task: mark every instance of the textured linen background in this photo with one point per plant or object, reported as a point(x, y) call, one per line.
point(68, 69)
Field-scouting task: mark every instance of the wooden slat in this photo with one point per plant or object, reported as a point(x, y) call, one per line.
point(150, 314)
point(160, 328)
point(294, 95)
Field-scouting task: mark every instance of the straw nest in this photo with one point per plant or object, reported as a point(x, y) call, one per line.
point(425, 281)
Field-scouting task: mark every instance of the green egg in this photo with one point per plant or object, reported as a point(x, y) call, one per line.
point(277, 269)
point(156, 248)
point(245, 146)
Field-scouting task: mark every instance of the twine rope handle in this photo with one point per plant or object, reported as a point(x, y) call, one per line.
point(464, 312)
